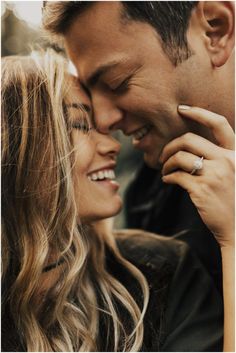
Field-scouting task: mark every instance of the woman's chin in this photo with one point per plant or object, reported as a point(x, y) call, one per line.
point(111, 210)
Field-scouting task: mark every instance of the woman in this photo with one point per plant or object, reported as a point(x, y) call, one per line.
point(68, 283)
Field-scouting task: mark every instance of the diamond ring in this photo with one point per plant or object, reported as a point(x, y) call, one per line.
point(197, 165)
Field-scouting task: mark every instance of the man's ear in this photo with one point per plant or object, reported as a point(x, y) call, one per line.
point(219, 19)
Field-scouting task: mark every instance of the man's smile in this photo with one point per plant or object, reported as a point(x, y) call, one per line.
point(139, 133)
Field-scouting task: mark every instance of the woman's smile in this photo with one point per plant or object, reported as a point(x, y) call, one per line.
point(105, 177)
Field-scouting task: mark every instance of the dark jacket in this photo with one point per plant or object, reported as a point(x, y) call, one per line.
point(185, 312)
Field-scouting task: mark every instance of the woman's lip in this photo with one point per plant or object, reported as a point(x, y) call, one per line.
point(107, 183)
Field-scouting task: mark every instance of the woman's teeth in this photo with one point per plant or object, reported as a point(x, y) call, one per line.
point(102, 174)
point(138, 135)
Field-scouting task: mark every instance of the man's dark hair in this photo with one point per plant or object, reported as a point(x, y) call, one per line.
point(169, 18)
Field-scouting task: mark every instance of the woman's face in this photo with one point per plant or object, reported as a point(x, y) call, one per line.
point(95, 161)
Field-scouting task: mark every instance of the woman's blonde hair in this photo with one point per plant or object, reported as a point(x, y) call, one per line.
point(40, 222)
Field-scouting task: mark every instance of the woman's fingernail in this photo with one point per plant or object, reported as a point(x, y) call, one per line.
point(184, 107)
point(163, 178)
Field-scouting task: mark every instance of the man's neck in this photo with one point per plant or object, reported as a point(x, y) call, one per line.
point(226, 92)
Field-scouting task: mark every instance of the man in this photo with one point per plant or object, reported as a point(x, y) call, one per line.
point(139, 62)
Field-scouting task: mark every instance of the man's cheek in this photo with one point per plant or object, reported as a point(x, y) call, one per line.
point(152, 159)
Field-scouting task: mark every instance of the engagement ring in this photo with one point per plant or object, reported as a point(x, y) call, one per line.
point(197, 165)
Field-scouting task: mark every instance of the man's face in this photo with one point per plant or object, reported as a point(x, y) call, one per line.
point(133, 84)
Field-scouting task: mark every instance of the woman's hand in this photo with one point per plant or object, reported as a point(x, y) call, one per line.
point(211, 187)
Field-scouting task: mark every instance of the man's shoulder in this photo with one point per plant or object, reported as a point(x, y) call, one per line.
point(183, 297)
point(151, 250)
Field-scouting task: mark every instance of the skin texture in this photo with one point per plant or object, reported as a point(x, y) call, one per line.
point(93, 151)
point(144, 87)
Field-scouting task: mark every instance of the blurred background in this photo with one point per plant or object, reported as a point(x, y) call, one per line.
point(22, 32)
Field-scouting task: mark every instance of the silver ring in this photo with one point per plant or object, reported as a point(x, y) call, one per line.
point(197, 165)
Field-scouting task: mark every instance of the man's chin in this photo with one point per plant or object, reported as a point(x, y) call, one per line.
point(152, 161)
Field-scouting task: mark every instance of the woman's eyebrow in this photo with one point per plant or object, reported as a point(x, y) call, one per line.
point(79, 106)
point(82, 106)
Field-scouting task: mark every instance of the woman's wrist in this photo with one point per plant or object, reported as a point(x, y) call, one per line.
point(228, 267)
point(226, 240)
point(228, 246)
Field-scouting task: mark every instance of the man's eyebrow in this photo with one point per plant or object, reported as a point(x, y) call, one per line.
point(79, 106)
point(100, 70)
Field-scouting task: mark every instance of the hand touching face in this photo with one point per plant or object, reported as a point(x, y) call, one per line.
point(212, 187)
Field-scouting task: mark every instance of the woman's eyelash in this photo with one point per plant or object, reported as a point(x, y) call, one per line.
point(82, 126)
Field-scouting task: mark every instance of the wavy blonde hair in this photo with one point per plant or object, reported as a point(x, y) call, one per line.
point(39, 222)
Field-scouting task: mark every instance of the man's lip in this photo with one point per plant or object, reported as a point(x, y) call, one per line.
point(131, 132)
point(111, 165)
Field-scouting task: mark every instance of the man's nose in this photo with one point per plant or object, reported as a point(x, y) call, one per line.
point(107, 145)
point(107, 115)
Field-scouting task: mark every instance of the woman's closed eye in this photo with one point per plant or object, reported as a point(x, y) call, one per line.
point(82, 125)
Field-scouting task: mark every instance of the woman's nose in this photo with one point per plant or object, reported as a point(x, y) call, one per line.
point(107, 144)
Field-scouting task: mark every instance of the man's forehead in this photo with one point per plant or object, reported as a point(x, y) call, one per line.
point(97, 11)
point(93, 39)
point(98, 24)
